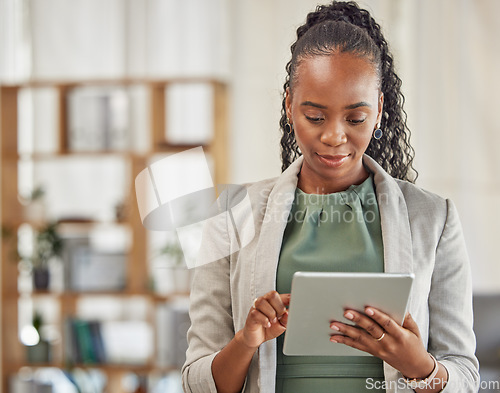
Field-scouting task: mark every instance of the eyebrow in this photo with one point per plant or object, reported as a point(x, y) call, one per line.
point(352, 106)
point(358, 104)
point(310, 103)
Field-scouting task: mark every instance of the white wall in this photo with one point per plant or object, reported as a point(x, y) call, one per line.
point(260, 45)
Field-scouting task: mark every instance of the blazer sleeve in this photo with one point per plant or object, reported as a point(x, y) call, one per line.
point(451, 335)
point(210, 308)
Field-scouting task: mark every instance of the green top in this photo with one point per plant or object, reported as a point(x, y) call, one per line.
point(337, 232)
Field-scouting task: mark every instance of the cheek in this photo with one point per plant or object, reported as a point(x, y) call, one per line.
point(303, 137)
point(362, 140)
point(359, 138)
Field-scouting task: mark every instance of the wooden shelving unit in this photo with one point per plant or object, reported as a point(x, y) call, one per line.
point(13, 355)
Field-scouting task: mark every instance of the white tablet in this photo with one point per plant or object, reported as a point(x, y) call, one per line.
point(317, 298)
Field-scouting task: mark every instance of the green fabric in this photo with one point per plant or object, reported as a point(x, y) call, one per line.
point(337, 232)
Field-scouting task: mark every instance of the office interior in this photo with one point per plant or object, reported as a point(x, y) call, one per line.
point(93, 92)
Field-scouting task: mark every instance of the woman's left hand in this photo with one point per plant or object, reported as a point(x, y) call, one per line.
point(381, 336)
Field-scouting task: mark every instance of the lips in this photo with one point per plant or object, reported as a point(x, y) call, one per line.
point(333, 161)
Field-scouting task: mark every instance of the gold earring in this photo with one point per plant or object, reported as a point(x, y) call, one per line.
point(289, 126)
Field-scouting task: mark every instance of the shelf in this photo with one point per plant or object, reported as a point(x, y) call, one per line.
point(137, 277)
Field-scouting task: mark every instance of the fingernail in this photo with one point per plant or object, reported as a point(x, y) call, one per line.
point(369, 311)
point(268, 325)
point(275, 320)
point(333, 340)
point(335, 327)
point(348, 315)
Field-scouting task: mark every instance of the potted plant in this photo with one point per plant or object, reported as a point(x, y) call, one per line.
point(48, 244)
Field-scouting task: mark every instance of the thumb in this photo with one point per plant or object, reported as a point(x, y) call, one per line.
point(285, 298)
point(284, 319)
point(410, 324)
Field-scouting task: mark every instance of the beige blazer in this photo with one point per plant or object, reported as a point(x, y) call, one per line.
point(421, 234)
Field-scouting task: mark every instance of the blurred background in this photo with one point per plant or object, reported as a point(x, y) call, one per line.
point(92, 91)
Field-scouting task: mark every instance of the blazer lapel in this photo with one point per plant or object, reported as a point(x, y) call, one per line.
point(273, 227)
point(266, 259)
point(396, 234)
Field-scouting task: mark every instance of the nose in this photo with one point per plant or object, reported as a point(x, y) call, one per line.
point(333, 136)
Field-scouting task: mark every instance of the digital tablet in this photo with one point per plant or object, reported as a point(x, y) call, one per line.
point(317, 298)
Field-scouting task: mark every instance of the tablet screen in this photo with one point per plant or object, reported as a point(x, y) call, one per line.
point(317, 298)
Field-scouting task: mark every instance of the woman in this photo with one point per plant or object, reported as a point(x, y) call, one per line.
point(345, 148)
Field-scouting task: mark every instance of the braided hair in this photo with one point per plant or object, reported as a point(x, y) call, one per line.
point(344, 27)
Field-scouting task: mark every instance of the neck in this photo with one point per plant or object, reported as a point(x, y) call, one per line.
point(329, 186)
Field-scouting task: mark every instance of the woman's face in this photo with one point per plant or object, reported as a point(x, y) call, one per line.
point(334, 107)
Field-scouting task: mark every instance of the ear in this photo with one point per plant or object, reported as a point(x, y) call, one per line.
point(380, 107)
point(288, 103)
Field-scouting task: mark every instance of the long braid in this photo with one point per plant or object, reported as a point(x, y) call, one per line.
point(393, 152)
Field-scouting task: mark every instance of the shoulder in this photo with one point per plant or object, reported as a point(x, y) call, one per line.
point(257, 191)
point(428, 213)
point(262, 188)
point(231, 194)
point(418, 199)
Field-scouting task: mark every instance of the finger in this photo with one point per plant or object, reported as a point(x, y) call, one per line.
point(348, 330)
point(275, 300)
point(410, 324)
point(285, 298)
point(351, 336)
point(262, 305)
point(350, 342)
point(388, 324)
point(284, 319)
point(364, 322)
point(258, 318)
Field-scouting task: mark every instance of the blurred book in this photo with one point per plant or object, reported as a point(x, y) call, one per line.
point(123, 342)
point(89, 270)
point(98, 119)
point(108, 342)
point(84, 342)
point(172, 319)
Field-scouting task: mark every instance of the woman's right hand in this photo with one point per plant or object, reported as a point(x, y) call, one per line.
point(266, 319)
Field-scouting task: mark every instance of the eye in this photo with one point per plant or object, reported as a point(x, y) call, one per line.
point(314, 119)
point(356, 121)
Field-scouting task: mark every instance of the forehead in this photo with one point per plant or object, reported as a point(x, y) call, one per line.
point(342, 75)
